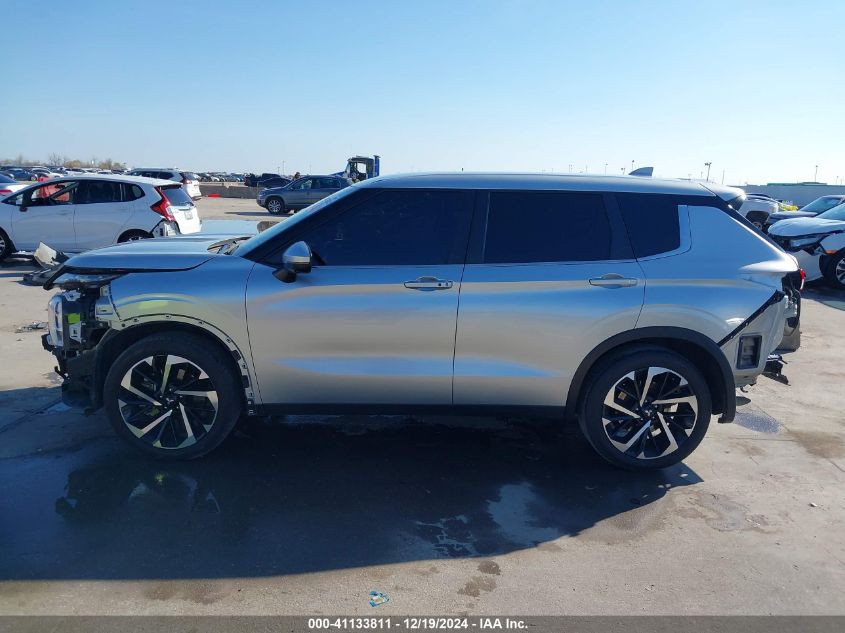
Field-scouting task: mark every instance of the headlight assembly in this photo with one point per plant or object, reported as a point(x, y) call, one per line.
point(807, 240)
point(76, 281)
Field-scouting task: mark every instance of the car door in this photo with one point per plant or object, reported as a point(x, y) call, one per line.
point(101, 213)
point(298, 195)
point(373, 322)
point(45, 214)
point(549, 276)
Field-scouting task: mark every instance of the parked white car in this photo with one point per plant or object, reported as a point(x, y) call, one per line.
point(757, 208)
point(818, 244)
point(78, 213)
point(190, 181)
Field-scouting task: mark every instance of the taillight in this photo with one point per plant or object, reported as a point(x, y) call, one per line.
point(162, 207)
point(2, 191)
point(803, 274)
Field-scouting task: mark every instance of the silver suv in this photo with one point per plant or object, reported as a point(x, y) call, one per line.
point(635, 305)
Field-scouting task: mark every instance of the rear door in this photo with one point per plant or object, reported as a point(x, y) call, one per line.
point(550, 275)
point(101, 213)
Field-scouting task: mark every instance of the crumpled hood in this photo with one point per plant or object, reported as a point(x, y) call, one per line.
point(790, 215)
point(155, 254)
point(795, 227)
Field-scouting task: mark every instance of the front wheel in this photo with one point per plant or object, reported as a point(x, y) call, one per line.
point(173, 396)
point(645, 410)
point(276, 206)
point(834, 272)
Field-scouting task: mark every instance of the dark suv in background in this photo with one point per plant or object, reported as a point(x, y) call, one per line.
point(300, 193)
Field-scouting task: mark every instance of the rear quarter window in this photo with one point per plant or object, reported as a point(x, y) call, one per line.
point(652, 222)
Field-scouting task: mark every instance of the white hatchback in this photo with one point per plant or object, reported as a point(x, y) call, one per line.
point(78, 213)
point(190, 181)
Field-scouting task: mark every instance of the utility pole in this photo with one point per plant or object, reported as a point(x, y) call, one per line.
point(816, 174)
point(723, 176)
point(632, 164)
point(708, 170)
point(605, 169)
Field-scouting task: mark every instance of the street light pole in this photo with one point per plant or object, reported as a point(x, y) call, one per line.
point(605, 169)
point(708, 170)
point(816, 174)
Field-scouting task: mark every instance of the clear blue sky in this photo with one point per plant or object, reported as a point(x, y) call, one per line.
point(758, 88)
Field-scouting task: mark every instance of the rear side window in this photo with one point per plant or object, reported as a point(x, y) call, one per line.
point(652, 222)
point(189, 175)
point(177, 196)
point(397, 228)
point(98, 192)
point(525, 227)
point(132, 192)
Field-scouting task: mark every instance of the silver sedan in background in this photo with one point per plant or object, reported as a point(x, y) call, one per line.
point(300, 193)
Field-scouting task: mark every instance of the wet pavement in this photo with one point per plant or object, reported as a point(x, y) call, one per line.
point(305, 496)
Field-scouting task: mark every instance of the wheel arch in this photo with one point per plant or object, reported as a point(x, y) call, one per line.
point(116, 340)
point(694, 346)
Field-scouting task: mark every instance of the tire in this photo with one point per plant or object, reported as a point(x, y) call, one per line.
point(276, 206)
point(133, 236)
point(153, 422)
point(6, 246)
point(834, 272)
point(650, 445)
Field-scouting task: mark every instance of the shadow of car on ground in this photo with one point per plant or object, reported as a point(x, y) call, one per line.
point(315, 494)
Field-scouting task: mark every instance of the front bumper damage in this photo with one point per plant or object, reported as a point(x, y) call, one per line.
point(78, 374)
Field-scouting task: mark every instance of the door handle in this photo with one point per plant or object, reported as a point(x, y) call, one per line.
point(613, 280)
point(429, 283)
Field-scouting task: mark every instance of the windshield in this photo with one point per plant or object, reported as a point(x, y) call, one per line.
point(822, 204)
point(836, 213)
point(6, 179)
point(262, 238)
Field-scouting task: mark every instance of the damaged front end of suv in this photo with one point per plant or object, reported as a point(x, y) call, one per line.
point(77, 320)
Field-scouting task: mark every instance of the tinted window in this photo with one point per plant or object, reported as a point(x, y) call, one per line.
point(396, 228)
point(546, 227)
point(652, 222)
point(132, 192)
point(98, 192)
point(177, 196)
point(189, 175)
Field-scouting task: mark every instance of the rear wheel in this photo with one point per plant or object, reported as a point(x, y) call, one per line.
point(133, 236)
point(6, 247)
point(645, 410)
point(172, 396)
point(275, 206)
point(834, 272)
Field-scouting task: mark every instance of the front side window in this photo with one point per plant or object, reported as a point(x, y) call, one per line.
point(305, 183)
point(396, 228)
point(540, 226)
point(53, 193)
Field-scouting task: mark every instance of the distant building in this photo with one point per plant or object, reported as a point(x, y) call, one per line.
point(799, 193)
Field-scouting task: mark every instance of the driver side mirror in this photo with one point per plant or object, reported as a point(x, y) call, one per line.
point(296, 259)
